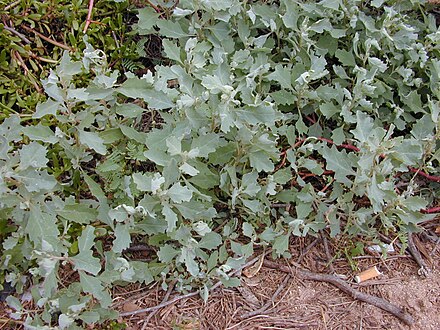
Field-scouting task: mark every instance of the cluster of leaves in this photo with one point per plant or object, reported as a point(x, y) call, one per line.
point(324, 108)
point(34, 34)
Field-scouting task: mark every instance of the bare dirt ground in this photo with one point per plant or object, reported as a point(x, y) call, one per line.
point(271, 300)
point(304, 304)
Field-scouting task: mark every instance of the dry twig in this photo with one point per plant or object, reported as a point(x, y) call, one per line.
point(18, 34)
point(424, 269)
point(307, 249)
point(345, 287)
point(165, 299)
point(327, 253)
point(270, 302)
point(42, 36)
point(188, 295)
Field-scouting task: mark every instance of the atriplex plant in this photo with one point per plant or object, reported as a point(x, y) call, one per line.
point(327, 109)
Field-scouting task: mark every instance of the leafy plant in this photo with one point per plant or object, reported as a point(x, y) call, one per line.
point(34, 35)
point(265, 119)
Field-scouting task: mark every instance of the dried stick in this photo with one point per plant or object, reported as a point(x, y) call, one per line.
point(345, 287)
point(165, 299)
point(424, 269)
point(270, 302)
point(42, 36)
point(18, 34)
point(307, 249)
point(188, 295)
point(327, 253)
point(89, 16)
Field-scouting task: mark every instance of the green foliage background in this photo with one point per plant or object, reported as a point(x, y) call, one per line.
point(327, 109)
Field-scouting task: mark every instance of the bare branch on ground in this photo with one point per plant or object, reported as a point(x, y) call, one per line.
point(345, 287)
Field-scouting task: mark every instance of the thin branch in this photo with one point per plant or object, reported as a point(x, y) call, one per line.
point(424, 174)
point(42, 36)
point(432, 210)
point(345, 287)
point(424, 269)
point(89, 16)
point(327, 253)
point(188, 295)
point(165, 299)
point(307, 249)
point(270, 302)
point(18, 34)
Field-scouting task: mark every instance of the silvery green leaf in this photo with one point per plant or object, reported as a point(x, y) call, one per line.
point(95, 188)
point(86, 262)
point(68, 67)
point(281, 244)
point(86, 240)
point(171, 50)
point(409, 152)
point(179, 193)
point(249, 184)
point(377, 3)
point(90, 317)
point(364, 127)
point(41, 225)
point(171, 29)
point(147, 19)
point(143, 181)
point(41, 133)
point(49, 107)
point(210, 241)
point(248, 230)
point(261, 161)
point(79, 94)
point(47, 265)
point(189, 258)
point(156, 182)
point(14, 303)
point(65, 321)
point(174, 145)
point(282, 75)
point(133, 134)
point(35, 181)
point(92, 285)
point(346, 57)
point(170, 217)
point(201, 228)
point(291, 15)
point(33, 155)
point(415, 203)
point(167, 253)
point(93, 141)
point(268, 235)
point(340, 162)
point(188, 169)
point(140, 88)
point(215, 84)
point(129, 110)
point(79, 213)
point(123, 238)
point(204, 293)
point(218, 4)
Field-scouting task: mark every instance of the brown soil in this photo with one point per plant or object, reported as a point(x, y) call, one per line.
point(301, 304)
point(306, 304)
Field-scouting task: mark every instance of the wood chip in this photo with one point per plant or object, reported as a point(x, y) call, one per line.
point(130, 307)
point(255, 268)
